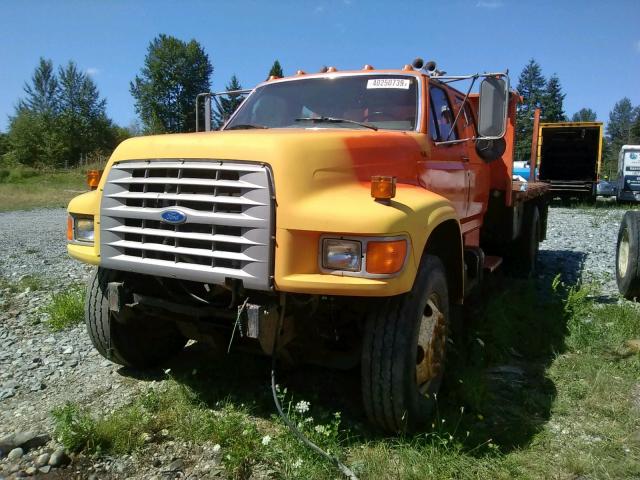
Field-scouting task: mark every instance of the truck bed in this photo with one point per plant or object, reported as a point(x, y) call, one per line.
point(569, 154)
point(523, 191)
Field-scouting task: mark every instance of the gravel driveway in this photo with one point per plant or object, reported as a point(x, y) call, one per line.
point(40, 369)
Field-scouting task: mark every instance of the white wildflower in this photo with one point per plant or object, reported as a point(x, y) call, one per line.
point(266, 439)
point(319, 428)
point(302, 406)
point(297, 463)
point(216, 448)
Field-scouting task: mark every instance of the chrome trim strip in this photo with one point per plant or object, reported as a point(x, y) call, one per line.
point(186, 235)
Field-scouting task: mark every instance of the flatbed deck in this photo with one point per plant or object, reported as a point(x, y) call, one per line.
point(523, 191)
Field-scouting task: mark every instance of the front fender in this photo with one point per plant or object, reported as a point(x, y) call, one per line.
point(348, 209)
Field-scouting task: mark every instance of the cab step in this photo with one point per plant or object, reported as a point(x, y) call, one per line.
point(491, 263)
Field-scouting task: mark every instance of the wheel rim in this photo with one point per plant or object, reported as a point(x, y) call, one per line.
point(623, 254)
point(432, 336)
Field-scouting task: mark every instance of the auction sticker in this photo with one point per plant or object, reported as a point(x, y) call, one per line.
point(402, 83)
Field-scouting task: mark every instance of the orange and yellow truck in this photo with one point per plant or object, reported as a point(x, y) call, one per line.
point(336, 218)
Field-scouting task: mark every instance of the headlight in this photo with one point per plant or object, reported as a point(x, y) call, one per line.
point(80, 229)
point(341, 255)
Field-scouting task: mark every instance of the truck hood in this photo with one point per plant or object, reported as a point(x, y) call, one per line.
point(308, 165)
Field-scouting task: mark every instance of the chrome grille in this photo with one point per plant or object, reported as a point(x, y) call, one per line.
point(228, 228)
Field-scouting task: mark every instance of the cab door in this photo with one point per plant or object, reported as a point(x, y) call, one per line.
point(479, 174)
point(446, 169)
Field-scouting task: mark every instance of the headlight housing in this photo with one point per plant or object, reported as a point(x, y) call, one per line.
point(373, 257)
point(80, 229)
point(339, 254)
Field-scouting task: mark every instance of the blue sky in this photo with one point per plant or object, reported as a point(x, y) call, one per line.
point(593, 46)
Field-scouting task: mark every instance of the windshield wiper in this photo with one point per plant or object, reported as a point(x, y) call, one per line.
point(243, 126)
point(335, 120)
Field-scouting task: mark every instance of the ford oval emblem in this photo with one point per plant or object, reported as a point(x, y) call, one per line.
point(173, 217)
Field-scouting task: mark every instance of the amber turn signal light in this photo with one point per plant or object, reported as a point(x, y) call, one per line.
point(386, 257)
point(383, 187)
point(93, 178)
point(69, 228)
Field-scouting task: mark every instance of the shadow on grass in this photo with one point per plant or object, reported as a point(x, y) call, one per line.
point(496, 393)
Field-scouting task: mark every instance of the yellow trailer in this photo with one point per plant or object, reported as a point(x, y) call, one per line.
point(569, 158)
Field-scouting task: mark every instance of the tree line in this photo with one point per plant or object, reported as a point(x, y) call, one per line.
point(623, 126)
point(62, 118)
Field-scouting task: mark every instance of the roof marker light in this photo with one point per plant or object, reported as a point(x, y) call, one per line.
point(383, 188)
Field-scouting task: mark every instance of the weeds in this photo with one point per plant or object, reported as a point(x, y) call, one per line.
point(547, 392)
point(66, 308)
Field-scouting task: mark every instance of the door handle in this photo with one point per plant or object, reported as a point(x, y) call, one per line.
point(466, 159)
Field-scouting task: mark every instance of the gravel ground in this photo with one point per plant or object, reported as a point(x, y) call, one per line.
point(41, 370)
point(581, 245)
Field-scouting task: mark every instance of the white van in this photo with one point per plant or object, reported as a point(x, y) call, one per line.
point(629, 174)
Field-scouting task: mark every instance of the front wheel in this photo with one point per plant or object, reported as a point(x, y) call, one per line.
point(404, 352)
point(127, 338)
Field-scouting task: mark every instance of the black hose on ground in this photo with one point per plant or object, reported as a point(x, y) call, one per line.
point(346, 471)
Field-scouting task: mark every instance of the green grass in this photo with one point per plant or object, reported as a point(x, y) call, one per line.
point(24, 189)
point(541, 386)
point(66, 309)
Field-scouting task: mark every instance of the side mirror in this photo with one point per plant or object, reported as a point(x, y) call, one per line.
point(492, 112)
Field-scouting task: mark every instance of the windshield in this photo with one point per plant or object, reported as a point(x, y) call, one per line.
point(358, 101)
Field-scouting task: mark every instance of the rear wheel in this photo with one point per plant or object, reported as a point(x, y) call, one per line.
point(127, 338)
point(524, 254)
point(628, 256)
point(404, 352)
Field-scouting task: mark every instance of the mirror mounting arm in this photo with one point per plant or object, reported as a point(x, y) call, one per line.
point(453, 142)
point(455, 121)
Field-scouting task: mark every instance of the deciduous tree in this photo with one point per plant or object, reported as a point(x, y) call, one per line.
point(174, 72)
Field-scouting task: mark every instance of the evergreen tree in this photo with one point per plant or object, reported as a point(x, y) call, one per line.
point(4, 144)
point(619, 129)
point(174, 72)
point(229, 103)
point(635, 128)
point(276, 70)
point(84, 126)
point(584, 115)
point(60, 118)
point(621, 118)
point(552, 108)
point(531, 85)
point(41, 93)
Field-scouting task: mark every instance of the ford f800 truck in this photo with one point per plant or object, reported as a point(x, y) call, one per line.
point(336, 218)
